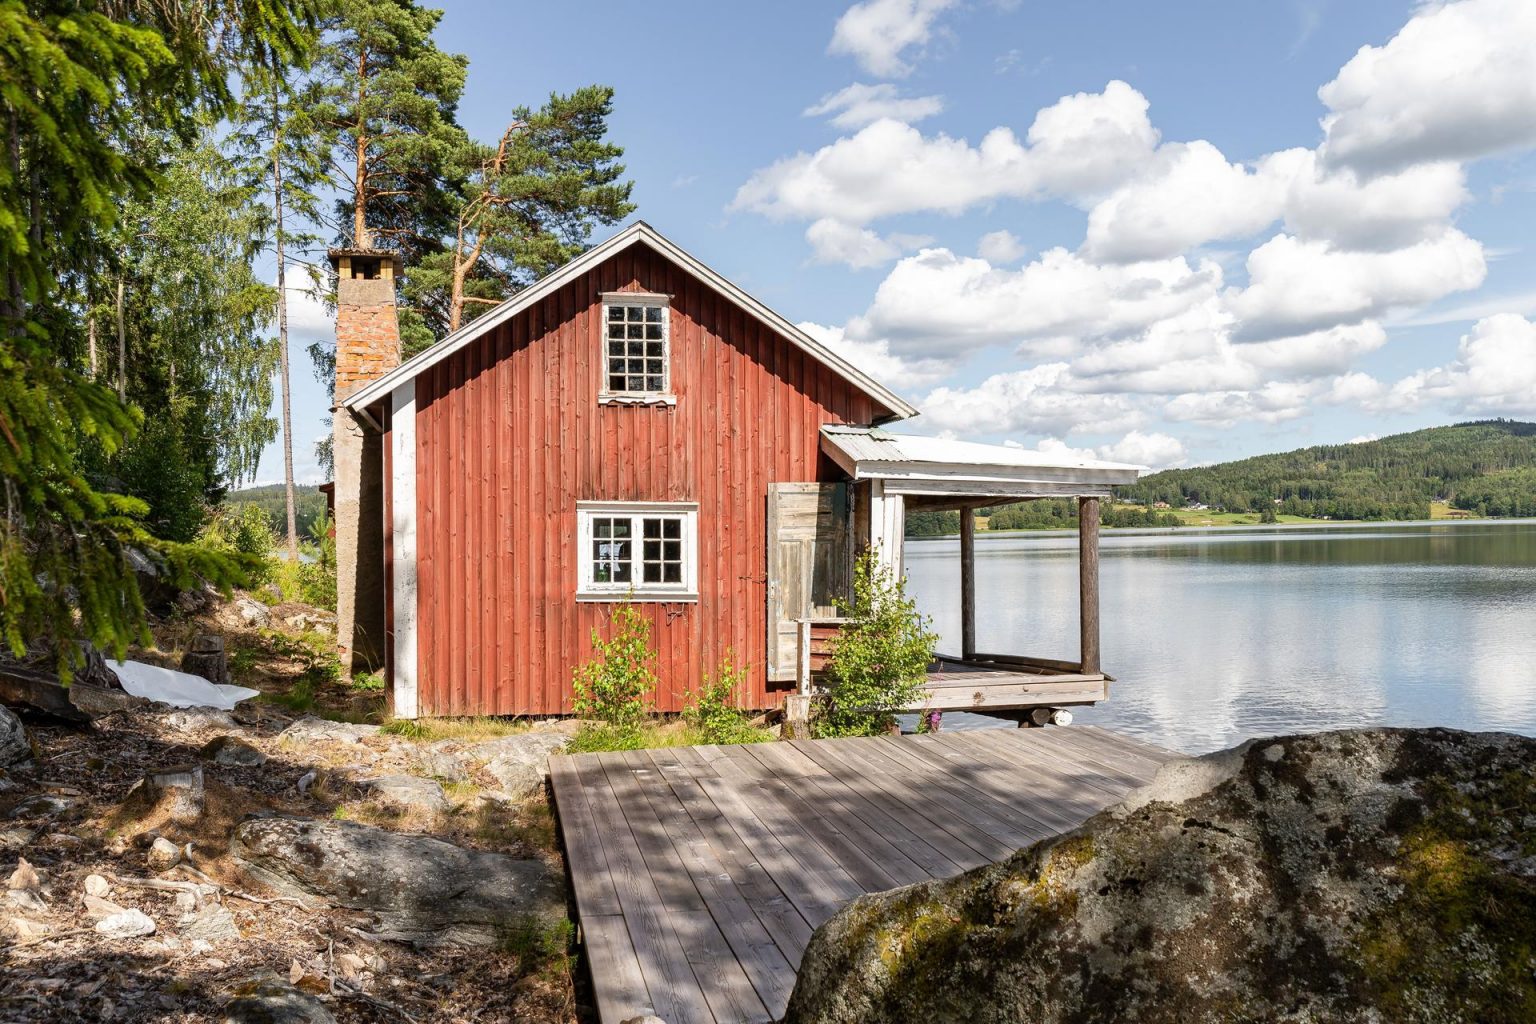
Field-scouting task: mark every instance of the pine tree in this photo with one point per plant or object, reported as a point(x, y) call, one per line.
point(78, 86)
point(528, 204)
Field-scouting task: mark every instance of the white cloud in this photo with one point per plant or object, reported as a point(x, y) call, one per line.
point(1455, 83)
point(1364, 439)
point(876, 33)
point(857, 105)
point(1297, 286)
point(308, 319)
point(876, 359)
point(1494, 372)
point(1080, 147)
point(1032, 401)
point(1273, 403)
point(1156, 451)
point(1000, 247)
point(836, 242)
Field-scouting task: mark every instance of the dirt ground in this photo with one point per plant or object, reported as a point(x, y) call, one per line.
point(65, 815)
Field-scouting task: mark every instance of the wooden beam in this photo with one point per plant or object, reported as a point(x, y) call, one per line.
point(967, 582)
point(1088, 581)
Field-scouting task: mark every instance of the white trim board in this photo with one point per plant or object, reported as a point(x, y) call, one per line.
point(402, 514)
point(636, 232)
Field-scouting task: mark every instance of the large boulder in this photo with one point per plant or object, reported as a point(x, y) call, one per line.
point(520, 763)
point(1363, 876)
point(422, 890)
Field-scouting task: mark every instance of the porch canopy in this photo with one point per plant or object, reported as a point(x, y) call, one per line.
point(907, 471)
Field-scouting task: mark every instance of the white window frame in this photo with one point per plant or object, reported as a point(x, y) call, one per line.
point(636, 589)
point(654, 300)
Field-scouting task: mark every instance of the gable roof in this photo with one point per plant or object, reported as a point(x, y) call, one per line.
point(637, 232)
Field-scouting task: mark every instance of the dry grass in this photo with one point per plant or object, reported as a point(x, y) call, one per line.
point(465, 730)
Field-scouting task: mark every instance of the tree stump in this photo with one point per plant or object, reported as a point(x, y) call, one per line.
point(178, 789)
point(206, 658)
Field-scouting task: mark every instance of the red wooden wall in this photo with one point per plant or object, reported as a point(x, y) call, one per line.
point(510, 436)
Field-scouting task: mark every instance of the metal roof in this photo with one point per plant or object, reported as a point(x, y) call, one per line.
point(637, 232)
point(912, 463)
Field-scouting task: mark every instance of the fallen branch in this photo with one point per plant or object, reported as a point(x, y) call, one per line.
point(268, 901)
point(52, 936)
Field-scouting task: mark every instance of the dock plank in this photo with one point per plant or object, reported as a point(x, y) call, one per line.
point(699, 872)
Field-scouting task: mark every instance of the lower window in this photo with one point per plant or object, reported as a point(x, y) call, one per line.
point(645, 550)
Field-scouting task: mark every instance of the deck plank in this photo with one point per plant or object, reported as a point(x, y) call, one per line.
point(700, 871)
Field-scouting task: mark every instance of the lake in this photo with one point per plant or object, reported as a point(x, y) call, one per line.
point(1218, 635)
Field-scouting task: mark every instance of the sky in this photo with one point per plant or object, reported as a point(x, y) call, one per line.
point(1166, 234)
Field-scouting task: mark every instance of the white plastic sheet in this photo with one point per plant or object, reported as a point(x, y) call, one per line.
point(178, 689)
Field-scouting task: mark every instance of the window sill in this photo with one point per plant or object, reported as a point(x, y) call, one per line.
point(639, 596)
point(657, 399)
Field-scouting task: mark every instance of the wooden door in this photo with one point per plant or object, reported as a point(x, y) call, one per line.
point(810, 562)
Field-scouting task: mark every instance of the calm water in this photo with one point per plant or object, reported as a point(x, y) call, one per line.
point(1217, 636)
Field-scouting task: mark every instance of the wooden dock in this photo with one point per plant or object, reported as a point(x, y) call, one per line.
point(700, 872)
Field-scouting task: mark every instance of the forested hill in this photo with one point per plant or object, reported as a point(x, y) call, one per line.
point(1486, 468)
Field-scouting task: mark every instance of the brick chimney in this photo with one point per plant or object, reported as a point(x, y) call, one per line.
point(367, 347)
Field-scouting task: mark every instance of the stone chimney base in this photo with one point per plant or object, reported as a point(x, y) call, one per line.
point(359, 455)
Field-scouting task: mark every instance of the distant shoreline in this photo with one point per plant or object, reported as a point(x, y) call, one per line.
point(1310, 524)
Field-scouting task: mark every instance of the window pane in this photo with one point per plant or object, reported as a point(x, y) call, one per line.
point(672, 572)
point(652, 527)
point(615, 330)
point(621, 529)
point(673, 550)
point(636, 331)
point(616, 383)
point(615, 312)
point(653, 314)
point(637, 348)
point(672, 528)
point(602, 527)
point(653, 331)
point(621, 573)
point(652, 573)
point(635, 313)
point(615, 348)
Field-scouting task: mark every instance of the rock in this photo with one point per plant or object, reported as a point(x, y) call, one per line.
point(351, 966)
point(96, 885)
point(14, 745)
point(179, 790)
point(252, 613)
point(268, 999)
point(27, 899)
point(439, 762)
point(409, 792)
point(520, 763)
point(212, 924)
point(41, 806)
point(416, 885)
point(320, 730)
point(163, 854)
point(22, 928)
point(232, 751)
point(98, 909)
point(649, 1018)
point(305, 781)
point(308, 977)
point(24, 877)
point(1365, 875)
point(205, 657)
point(130, 924)
point(15, 837)
point(198, 720)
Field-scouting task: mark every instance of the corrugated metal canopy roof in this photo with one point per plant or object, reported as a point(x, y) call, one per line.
point(914, 464)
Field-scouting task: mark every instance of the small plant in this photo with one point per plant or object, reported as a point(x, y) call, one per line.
point(880, 661)
point(409, 728)
point(613, 686)
point(243, 530)
point(368, 682)
point(714, 711)
point(541, 945)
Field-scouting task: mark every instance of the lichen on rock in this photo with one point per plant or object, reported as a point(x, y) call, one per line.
point(1368, 875)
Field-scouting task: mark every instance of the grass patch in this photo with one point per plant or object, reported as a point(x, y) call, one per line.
point(368, 682)
point(466, 730)
point(541, 945)
point(596, 738)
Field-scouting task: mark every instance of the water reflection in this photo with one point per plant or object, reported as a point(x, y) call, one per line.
point(1216, 636)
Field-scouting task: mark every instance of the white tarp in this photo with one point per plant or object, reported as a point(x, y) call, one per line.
point(178, 689)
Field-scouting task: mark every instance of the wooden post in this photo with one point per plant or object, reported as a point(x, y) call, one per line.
point(967, 583)
point(1088, 582)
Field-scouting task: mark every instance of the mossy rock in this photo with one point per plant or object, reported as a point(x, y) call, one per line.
point(1360, 876)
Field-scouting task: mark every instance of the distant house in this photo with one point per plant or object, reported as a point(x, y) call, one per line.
point(636, 427)
point(1161, 505)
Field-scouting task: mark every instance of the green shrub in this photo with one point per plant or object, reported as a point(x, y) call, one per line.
point(368, 681)
point(714, 711)
point(541, 945)
point(613, 686)
point(879, 662)
point(244, 530)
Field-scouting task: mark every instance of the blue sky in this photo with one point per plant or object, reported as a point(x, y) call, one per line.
point(1164, 233)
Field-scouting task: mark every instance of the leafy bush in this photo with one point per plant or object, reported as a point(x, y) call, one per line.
point(714, 711)
point(880, 660)
point(614, 685)
point(244, 531)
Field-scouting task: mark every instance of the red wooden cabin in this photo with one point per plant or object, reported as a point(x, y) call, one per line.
point(631, 427)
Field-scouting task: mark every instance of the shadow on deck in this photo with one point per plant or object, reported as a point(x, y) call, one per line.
point(700, 872)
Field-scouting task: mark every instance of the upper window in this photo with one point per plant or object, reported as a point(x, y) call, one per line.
point(647, 550)
point(636, 357)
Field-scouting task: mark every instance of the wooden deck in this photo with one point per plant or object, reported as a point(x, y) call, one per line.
point(700, 872)
point(985, 683)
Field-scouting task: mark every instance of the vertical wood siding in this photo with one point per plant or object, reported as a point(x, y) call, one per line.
point(510, 436)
